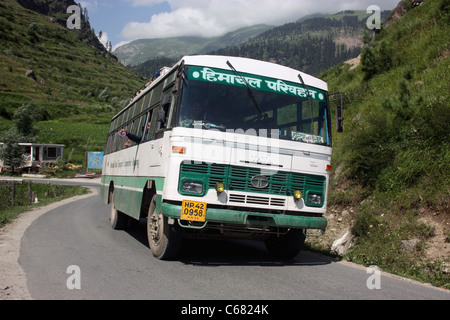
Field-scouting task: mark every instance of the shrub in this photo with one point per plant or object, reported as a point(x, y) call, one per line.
point(376, 59)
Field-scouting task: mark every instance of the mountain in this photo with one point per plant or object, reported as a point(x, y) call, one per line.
point(78, 85)
point(312, 44)
point(150, 67)
point(391, 179)
point(139, 51)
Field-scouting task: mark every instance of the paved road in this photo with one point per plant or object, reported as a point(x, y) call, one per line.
point(119, 265)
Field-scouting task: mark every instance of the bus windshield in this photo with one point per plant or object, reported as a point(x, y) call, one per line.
point(238, 102)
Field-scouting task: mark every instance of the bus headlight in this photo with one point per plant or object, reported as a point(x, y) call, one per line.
point(220, 187)
point(314, 199)
point(192, 187)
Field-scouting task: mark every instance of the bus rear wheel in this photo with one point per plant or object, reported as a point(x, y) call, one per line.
point(118, 219)
point(286, 246)
point(164, 239)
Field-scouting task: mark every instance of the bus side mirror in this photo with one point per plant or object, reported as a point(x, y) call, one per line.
point(339, 110)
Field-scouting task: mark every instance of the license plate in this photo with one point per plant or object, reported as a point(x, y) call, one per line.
point(193, 211)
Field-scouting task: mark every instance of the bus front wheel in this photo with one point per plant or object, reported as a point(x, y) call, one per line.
point(164, 239)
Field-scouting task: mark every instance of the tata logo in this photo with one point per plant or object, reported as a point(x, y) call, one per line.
point(260, 182)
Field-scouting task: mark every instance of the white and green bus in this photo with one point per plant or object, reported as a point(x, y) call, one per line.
point(222, 147)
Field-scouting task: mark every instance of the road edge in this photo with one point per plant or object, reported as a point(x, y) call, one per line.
point(13, 282)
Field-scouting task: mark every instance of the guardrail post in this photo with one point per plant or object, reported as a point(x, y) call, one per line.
point(29, 193)
point(13, 193)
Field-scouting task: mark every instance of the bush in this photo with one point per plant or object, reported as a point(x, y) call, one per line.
point(376, 59)
point(402, 139)
point(369, 147)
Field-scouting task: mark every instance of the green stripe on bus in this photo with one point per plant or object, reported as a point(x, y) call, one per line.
point(128, 192)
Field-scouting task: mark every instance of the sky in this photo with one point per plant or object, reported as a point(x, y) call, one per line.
point(123, 21)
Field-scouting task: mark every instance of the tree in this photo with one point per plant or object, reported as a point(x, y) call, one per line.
point(86, 15)
point(376, 59)
point(11, 152)
point(23, 131)
point(24, 118)
point(368, 62)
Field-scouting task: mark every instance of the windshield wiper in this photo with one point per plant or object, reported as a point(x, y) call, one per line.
point(250, 92)
point(310, 102)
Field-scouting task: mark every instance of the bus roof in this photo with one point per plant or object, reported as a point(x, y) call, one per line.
point(256, 67)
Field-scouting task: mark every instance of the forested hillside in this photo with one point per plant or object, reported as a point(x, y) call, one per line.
point(312, 45)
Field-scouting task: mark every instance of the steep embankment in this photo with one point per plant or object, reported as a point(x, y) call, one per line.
point(390, 186)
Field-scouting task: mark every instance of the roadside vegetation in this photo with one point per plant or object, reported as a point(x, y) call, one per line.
point(31, 195)
point(77, 86)
point(392, 164)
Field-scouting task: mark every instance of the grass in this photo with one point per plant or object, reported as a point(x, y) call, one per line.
point(397, 122)
point(78, 137)
point(45, 193)
point(67, 69)
point(381, 228)
point(393, 159)
point(79, 87)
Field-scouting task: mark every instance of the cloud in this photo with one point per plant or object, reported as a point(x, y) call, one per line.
point(121, 43)
point(180, 22)
point(92, 6)
point(103, 39)
point(139, 3)
point(208, 18)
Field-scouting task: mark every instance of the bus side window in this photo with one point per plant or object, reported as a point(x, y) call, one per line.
point(164, 112)
point(133, 128)
point(140, 129)
point(160, 116)
point(163, 116)
point(152, 119)
point(146, 125)
point(114, 142)
point(112, 138)
point(108, 144)
point(118, 142)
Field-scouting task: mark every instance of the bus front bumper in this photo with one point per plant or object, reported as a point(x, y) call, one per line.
point(252, 218)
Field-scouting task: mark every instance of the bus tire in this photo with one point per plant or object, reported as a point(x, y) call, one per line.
point(118, 219)
point(286, 246)
point(164, 240)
